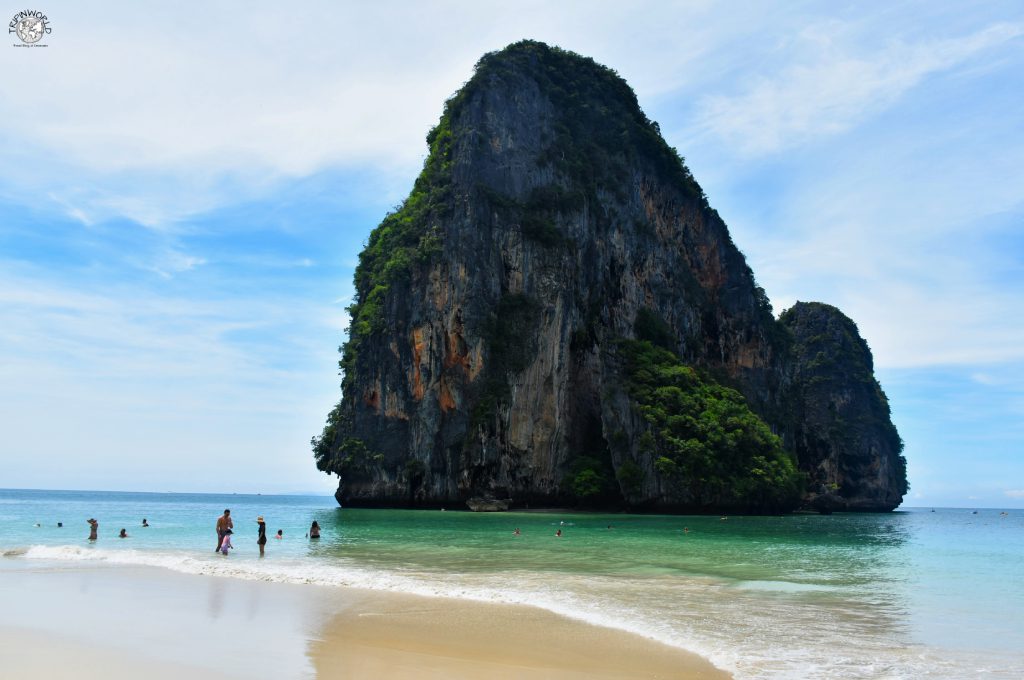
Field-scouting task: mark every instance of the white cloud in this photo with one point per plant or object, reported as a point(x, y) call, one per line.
point(833, 86)
point(112, 370)
point(913, 309)
point(174, 262)
point(1014, 493)
point(173, 111)
point(907, 226)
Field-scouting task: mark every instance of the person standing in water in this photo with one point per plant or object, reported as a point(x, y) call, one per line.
point(261, 539)
point(94, 527)
point(314, 530)
point(144, 522)
point(123, 534)
point(224, 524)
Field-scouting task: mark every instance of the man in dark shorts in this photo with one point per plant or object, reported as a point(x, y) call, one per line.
point(223, 524)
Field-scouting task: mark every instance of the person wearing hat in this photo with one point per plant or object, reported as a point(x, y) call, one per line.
point(93, 528)
point(262, 540)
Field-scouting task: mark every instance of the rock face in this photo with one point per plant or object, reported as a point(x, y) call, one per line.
point(842, 433)
point(488, 504)
point(550, 222)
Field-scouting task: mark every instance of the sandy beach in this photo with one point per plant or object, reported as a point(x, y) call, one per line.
point(88, 621)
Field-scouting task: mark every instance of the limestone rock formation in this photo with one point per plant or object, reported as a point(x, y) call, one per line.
point(843, 436)
point(551, 223)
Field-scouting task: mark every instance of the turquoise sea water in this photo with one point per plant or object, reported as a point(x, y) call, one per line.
point(909, 594)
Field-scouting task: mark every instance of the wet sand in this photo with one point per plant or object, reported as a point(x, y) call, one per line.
point(87, 621)
point(413, 637)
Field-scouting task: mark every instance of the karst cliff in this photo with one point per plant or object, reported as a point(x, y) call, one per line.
point(557, 316)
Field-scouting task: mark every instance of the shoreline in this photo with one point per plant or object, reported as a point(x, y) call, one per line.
point(290, 572)
point(118, 619)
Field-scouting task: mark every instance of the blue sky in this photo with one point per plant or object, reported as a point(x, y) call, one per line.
point(184, 191)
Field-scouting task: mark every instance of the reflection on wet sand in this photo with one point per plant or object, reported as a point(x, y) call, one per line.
point(401, 636)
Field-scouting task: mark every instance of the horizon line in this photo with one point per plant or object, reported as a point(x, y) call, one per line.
point(318, 495)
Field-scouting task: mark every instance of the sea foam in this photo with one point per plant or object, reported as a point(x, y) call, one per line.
point(561, 596)
point(726, 629)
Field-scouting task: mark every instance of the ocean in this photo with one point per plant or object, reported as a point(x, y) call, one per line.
point(917, 593)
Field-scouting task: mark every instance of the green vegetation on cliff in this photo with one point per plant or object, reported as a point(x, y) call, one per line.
point(350, 455)
point(591, 482)
point(408, 236)
point(705, 441)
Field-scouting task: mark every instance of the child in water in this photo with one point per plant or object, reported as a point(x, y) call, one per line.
point(226, 543)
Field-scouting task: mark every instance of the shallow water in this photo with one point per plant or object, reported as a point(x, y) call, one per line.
point(901, 595)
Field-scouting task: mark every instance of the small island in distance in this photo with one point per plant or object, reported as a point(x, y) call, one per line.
point(557, 317)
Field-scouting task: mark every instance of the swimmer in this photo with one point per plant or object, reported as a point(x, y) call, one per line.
point(558, 534)
point(516, 532)
point(686, 530)
point(280, 533)
point(144, 522)
point(123, 534)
